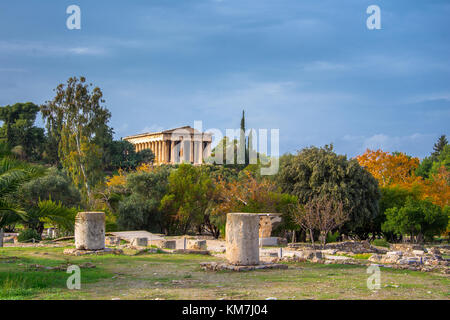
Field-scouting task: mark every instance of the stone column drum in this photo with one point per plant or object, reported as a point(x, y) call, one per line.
point(90, 231)
point(242, 236)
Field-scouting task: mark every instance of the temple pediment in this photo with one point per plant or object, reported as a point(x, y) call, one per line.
point(177, 145)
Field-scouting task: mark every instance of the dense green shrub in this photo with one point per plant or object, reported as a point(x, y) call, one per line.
point(140, 209)
point(332, 237)
point(27, 235)
point(55, 185)
point(381, 243)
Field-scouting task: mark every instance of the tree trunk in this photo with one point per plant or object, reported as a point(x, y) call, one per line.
point(83, 171)
point(419, 238)
point(1, 237)
point(323, 238)
point(312, 239)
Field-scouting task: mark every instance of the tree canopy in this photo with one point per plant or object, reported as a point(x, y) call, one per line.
point(18, 130)
point(319, 172)
point(79, 123)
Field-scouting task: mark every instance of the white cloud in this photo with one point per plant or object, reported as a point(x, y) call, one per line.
point(152, 128)
point(411, 144)
point(45, 49)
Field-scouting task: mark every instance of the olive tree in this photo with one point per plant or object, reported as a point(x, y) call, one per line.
point(320, 172)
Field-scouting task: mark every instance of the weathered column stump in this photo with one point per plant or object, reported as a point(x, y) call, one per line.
point(90, 231)
point(242, 253)
point(242, 237)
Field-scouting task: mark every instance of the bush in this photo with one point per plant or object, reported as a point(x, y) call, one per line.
point(332, 237)
point(28, 235)
point(381, 243)
point(417, 218)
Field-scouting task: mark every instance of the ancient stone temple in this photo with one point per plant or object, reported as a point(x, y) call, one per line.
point(184, 144)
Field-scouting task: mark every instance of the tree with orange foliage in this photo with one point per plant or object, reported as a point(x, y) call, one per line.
point(247, 194)
point(388, 168)
point(436, 188)
point(399, 170)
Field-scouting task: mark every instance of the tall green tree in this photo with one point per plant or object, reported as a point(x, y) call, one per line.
point(140, 208)
point(440, 157)
point(242, 140)
point(18, 129)
point(78, 120)
point(189, 195)
point(418, 218)
point(124, 156)
point(320, 172)
point(439, 146)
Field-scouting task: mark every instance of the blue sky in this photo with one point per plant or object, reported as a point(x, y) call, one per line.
point(310, 68)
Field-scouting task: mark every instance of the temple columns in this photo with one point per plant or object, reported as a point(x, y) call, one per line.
point(172, 152)
point(193, 150)
point(198, 152)
point(163, 151)
point(159, 151)
point(186, 151)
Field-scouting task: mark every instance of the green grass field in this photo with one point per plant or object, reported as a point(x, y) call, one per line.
point(174, 276)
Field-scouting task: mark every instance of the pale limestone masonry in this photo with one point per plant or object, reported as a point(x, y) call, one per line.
point(242, 238)
point(196, 245)
point(90, 231)
point(184, 144)
point(112, 241)
point(139, 242)
point(166, 244)
point(268, 222)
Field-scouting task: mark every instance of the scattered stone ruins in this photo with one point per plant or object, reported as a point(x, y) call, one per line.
point(414, 257)
point(184, 144)
point(401, 256)
point(196, 245)
point(243, 252)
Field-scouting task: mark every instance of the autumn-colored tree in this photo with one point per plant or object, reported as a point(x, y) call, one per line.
point(436, 188)
point(389, 168)
point(247, 193)
point(399, 169)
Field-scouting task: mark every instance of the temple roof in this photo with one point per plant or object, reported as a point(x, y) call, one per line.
point(188, 128)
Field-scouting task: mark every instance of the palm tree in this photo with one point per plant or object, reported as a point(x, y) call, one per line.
point(13, 173)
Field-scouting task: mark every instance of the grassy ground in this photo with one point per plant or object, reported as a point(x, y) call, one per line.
point(166, 276)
